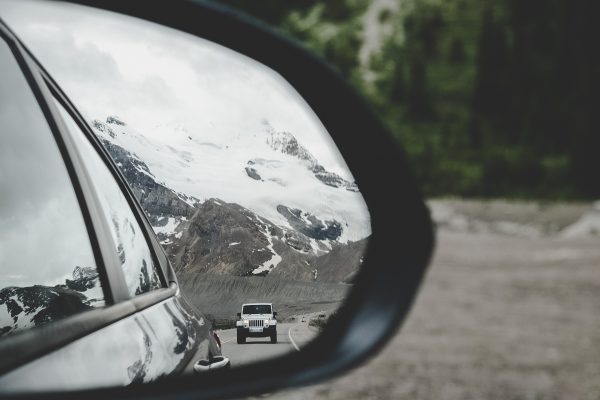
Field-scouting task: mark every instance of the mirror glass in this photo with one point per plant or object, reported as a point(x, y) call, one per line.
point(245, 189)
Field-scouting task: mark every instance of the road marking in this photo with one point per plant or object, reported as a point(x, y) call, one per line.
point(292, 340)
point(227, 341)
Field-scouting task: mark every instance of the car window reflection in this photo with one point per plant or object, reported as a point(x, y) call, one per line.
point(140, 272)
point(47, 268)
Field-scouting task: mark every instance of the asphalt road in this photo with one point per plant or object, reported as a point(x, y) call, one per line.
point(290, 337)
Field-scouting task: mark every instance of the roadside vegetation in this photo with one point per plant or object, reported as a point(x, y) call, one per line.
point(488, 98)
point(221, 323)
point(321, 321)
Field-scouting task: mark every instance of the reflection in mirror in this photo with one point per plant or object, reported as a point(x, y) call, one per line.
point(134, 255)
point(254, 205)
point(47, 268)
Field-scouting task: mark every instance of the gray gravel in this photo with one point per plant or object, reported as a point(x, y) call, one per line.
point(502, 314)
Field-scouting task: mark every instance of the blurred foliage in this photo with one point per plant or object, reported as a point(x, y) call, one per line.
point(489, 98)
point(322, 321)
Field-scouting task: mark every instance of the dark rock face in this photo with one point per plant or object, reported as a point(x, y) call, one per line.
point(156, 199)
point(342, 263)
point(288, 144)
point(333, 180)
point(102, 127)
point(223, 238)
point(228, 239)
point(297, 242)
point(83, 279)
point(114, 120)
point(251, 172)
point(309, 225)
point(36, 305)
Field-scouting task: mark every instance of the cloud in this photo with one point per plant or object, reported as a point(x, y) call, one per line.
point(42, 234)
point(152, 75)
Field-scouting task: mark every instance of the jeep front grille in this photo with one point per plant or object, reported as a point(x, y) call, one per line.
point(257, 322)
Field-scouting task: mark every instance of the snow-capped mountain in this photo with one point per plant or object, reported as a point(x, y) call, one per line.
point(198, 167)
point(226, 238)
point(264, 187)
point(286, 143)
point(25, 307)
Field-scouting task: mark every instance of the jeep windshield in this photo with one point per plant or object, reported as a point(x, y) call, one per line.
point(257, 309)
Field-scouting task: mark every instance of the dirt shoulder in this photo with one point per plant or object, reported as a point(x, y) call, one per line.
point(501, 315)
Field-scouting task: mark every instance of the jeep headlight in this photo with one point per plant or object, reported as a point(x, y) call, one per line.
point(246, 323)
point(266, 325)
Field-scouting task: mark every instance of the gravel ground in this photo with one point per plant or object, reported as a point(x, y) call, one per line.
point(508, 310)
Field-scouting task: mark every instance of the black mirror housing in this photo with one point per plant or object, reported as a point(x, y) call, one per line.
point(402, 239)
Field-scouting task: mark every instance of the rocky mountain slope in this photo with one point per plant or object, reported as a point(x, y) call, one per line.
point(268, 229)
point(25, 307)
point(220, 296)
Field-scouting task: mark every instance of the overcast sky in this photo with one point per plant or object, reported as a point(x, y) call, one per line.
point(42, 234)
point(156, 78)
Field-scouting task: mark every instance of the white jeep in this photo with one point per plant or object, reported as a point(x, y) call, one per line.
point(256, 320)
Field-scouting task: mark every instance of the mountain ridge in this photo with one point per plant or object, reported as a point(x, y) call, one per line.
point(212, 235)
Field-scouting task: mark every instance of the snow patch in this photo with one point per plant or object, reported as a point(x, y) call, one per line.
point(168, 228)
point(272, 263)
point(5, 317)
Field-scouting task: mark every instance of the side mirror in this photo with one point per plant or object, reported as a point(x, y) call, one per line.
point(274, 313)
point(288, 124)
